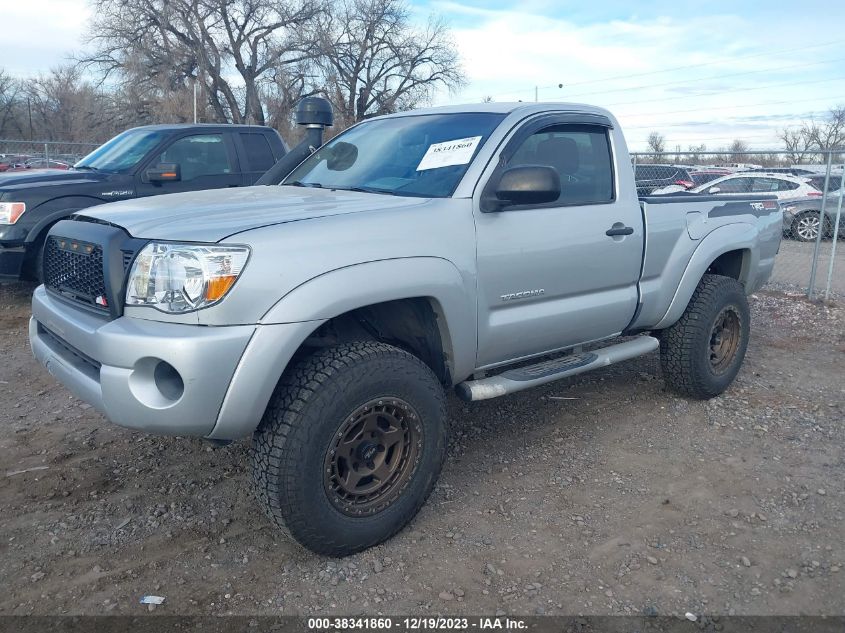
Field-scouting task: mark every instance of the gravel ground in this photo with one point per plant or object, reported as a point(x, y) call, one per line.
point(602, 494)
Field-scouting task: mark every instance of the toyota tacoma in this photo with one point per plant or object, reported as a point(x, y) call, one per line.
point(326, 312)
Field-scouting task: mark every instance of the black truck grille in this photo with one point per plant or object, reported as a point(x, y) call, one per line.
point(74, 269)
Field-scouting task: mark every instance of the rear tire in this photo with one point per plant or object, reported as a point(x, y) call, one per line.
point(702, 353)
point(350, 446)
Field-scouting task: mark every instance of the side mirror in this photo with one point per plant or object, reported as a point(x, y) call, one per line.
point(165, 172)
point(713, 190)
point(528, 184)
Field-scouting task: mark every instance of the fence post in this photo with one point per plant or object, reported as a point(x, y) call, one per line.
point(46, 155)
point(833, 246)
point(811, 288)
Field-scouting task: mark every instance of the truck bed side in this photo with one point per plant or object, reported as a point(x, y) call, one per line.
point(686, 234)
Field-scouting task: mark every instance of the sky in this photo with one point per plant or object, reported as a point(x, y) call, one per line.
point(698, 72)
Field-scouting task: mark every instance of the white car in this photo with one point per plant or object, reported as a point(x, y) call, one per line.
point(784, 186)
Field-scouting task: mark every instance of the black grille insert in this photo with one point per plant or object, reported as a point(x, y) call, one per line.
point(74, 269)
point(58, 342)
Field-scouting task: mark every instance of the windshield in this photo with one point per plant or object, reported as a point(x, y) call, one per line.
point(123, 152)
point(424, 155)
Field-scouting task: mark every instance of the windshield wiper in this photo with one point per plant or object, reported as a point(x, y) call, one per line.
point(299, 183)
point(88, 167)
point(387, 192)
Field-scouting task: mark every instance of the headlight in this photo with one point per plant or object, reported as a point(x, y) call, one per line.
point(183, 277)
point(11, 211)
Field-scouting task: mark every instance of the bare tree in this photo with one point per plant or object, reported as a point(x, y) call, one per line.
point(830, 133)
point(695, 151)
point(797, 142)
point(657, 144)
point(9, 100)
point(167, 45)
point(737, 149)
point(814, 136)
point(374, 61)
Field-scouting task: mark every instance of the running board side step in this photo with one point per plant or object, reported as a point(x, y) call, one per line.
point(544, 372)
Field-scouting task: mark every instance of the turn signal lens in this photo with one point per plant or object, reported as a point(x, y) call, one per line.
point(11, 211)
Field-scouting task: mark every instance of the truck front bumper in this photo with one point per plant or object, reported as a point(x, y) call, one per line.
point(163, 378)
point(12, 257)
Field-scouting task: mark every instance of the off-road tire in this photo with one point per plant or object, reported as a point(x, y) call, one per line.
point(311, 403)
point(686, 347)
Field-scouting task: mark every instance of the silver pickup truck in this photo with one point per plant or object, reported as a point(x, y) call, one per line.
point(488, 248)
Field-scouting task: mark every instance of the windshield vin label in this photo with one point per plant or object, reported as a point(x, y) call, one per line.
point(457, 152)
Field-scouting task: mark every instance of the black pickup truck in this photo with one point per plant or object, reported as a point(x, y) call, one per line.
point(143, 161)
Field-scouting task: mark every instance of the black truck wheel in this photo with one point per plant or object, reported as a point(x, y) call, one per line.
point(701, 354)
point(350, 446)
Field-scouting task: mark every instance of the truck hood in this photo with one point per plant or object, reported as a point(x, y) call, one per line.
point(16, 180)
point(215, 214)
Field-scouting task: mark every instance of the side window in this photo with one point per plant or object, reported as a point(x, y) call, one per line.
point(581, 156)
point(734, 185)
point(765, 185)
point(258, 152)
point(200, 155)
point(786, 185)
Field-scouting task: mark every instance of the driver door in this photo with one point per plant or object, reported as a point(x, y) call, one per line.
point(206, 161)
point(549, 275)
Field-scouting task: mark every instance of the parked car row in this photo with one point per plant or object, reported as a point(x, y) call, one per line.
point(10, 164)
point(800, 190)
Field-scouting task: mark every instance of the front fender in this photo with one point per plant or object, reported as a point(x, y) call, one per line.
point(52, 211)
point(342, 290)
point(284, 327)
point(730, 237)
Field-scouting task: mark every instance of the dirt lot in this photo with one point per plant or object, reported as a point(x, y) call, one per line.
point(602, 494)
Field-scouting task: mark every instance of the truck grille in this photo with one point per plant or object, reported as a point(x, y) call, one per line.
point(75, 269)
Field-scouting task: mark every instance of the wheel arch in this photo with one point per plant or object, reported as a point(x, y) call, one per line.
point(418, 304)
point(729, 251)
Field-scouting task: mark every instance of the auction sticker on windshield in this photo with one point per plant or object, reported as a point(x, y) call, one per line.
point(457, 152)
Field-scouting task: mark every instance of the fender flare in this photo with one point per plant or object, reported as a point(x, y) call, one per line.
point(434, 278)
point(57, 209)
point(730, 237)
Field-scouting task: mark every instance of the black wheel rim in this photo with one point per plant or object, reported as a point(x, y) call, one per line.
point(373, 456)
point(725, 336)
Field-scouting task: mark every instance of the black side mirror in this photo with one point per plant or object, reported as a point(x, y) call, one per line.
point(528, 184)
point(165, 172)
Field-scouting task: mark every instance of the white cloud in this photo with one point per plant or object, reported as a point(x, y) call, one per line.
point(40, 34)
point(619, 64)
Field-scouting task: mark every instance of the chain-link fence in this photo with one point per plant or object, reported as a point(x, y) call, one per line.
point(21, 155)
point(810, 193)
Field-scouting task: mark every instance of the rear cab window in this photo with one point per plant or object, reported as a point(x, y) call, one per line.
point(259, 155)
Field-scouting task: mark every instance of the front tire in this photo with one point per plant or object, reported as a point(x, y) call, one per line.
point(350, 446)
point(702, 353)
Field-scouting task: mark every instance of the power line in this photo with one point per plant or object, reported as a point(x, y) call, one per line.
point(728, 92)
point(672, 69)
point(685, 81)
point(698, 110)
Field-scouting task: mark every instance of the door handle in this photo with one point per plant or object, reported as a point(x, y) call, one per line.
point(619, 230)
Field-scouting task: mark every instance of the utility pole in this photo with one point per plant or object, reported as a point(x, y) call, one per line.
point(195, 100)
point(29, 108)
